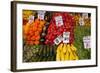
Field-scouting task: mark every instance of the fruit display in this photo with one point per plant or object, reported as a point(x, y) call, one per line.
point(26, 14)
point(86, 19)
point(55, 36)
point(32, 31)
point(77, 17)
point(66, 52)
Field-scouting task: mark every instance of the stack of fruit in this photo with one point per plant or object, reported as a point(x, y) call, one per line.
point(77, 17)
point(84, 16)
point(66, 52)
point(43, 32)
point(26, 14)
point(87, 22)
point(33, 31)
point(54, 30)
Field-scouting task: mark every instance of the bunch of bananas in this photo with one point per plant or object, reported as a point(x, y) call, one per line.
point(66, 52)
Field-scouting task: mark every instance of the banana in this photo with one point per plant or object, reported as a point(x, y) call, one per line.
point(76, 56)
point(64, 48)
point(66, 52)
point(58, 56)
point(72, 57)
point(73, 47)
point(60, 47)
point(67, 55)
point(74, 52)
point(68, 48)
point(62, 56)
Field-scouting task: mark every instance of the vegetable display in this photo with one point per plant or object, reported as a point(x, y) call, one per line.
point(54, 30)
point(55, 36)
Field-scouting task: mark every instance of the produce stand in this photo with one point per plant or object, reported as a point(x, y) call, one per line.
point(45, 48)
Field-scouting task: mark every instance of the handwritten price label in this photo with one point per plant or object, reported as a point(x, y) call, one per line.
point(31, 19)
point(58, 40)
point(66, 37)
point(41, 15)
point(87, 42)
point(59, 20)
point(81, 21)
point(85, 15)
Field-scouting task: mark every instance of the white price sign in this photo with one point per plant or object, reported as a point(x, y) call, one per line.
point(85, 15)
point(81, 21)
point(31, 19)
point(41, 15)
point(58, 40)
point(59, 20)
point(66, 37)
point(87, 42)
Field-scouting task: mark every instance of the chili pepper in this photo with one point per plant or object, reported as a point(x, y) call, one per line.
point(54, 31)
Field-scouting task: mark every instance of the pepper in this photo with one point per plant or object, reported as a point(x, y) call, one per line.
point(54, 31)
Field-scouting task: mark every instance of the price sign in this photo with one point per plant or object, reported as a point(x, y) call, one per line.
point(58, 40)
point(87, 42)
point(85, 15)
point(41, 15)
point(81, 21)
point(66, 37)
point(31, 19)
point(59, 20)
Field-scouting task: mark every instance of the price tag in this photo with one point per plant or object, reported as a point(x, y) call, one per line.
point(66, 37)
point(58, 40)
point(59, 20)
point(85, 15)
point(81, 21)
point(87, 42)
point(31, 19)
point(41, 15)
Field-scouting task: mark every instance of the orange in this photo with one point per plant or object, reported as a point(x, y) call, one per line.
point(37, 37)
point(37, 21)
point(36, 42)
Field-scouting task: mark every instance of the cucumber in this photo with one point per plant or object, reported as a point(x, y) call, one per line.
point(39, 58)
point(40, 50)
point(49, 58)
point(36, 59)
point(55, 48)
point(51, 51)
point(48, 50)
point(44, 59)
point(44, 51)
point(52, 58)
